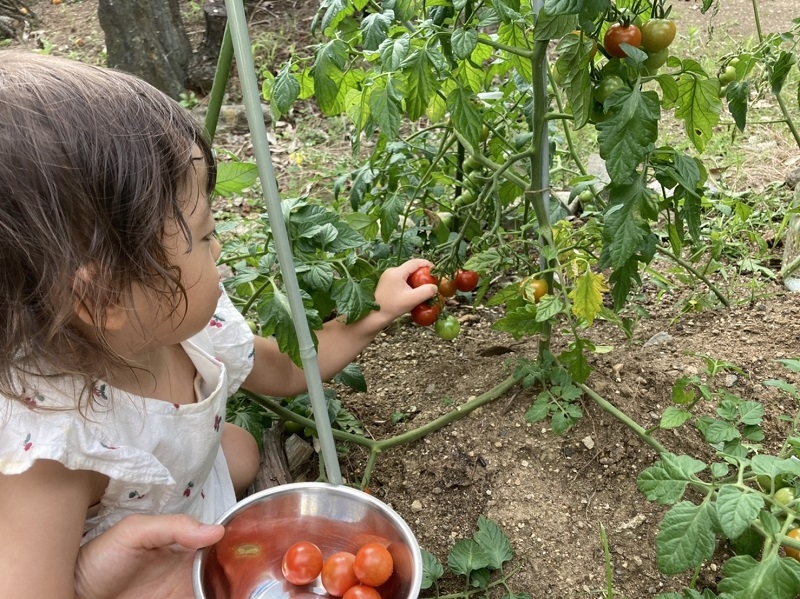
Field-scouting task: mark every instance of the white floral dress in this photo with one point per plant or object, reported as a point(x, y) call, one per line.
point(160, 458)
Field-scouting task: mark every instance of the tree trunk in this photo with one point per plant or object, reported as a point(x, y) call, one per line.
point(204, 62)
point(147, 38)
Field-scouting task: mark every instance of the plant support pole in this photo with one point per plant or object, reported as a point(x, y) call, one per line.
point(258, 131)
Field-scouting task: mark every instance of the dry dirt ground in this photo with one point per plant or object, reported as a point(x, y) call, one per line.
point(551, 495)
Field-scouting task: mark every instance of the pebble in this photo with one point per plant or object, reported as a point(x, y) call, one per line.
point(588, 442)
point(416, 505)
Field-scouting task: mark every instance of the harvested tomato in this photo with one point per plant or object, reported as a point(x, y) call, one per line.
point(658, 34)
point(373, 564)
point(533, 289)
point(422, 276)
point(448, 327)
point(791, 551)
point(302, 563)
point(466, 280)
point(425, 315)
point(362, 591)
point(618, 34)
point(337, 573)
point(447, 287)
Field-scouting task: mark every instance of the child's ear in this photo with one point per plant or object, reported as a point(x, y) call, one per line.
point(116, 315)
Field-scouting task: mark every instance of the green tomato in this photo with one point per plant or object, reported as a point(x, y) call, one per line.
point(784, 496)
point(471, 165)
point(728, 75)
point(607, 86)
point(292, 427)
point(656, 60)
point(765, 482)
point(252, 326)
point(657, 34)
point(448, 327)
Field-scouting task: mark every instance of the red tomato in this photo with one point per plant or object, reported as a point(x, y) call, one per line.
point(447, 287)
point(362, 591)
point(618, 34)
point(533, 289)
point(373, 564)
point(422, 276)
point(425, 315)
point(337, 573)
point(466, 280)
point(302, 563)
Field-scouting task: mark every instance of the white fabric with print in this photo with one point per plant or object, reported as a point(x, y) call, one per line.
point(159, 457)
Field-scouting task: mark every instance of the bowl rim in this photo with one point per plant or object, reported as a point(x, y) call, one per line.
point(197, 565)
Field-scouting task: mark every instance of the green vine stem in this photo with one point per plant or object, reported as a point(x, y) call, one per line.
point(689, 268)
point(375, 447)
point(221, 76)
point(624, 418)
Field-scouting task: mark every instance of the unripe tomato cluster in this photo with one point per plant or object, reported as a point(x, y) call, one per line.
point(430, 312)
point(343, 574)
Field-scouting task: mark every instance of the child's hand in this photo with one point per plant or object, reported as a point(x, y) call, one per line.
point(395, 296)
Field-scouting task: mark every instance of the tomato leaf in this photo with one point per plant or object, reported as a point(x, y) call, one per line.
point(673, 417)
point(780, 70)
point(737, 94)
point(352, 376)
point(421, 82)
point(699, 106)
point(571, 68)
point(494, 541)
point(285, 90)
point(234, 177)
point(737, 509)
point(432, 570)
point(772, 578)
point(385, 108)
point(519, 323)
point(467, 555)
point(328, 75)
point(393, 51)
point(628, 135)
point(553, 27)
point(587, 295)
point(375, 28)
point(686, 537)
point(353, 299)
point(512, 34)
point(464, 42)
point(276, 320)
point(665, 481)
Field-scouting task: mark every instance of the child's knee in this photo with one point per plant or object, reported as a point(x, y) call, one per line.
point(242, 455)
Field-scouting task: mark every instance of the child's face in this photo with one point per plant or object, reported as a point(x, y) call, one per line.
point(197, 261)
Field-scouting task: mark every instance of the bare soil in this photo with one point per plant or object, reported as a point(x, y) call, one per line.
point(551, 495)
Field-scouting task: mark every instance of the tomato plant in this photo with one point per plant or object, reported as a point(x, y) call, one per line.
point(657, 34)
point(362, 591)
point(302, 563)
point(448, 327)
point(447, 287)
point(373, 564)
point(791, 551)
point(656, 60)
point(425, 314)
point(422, 276)
point(620, 33)
point(466, 280)
point(337, 573)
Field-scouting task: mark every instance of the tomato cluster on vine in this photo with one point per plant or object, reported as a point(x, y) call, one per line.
point(343, 574)
point(430, 312)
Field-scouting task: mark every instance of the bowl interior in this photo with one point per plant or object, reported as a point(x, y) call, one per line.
point(246, 563)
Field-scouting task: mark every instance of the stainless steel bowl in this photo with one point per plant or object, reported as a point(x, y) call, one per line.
point(263, 526)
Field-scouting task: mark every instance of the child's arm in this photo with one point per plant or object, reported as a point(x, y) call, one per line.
point(42, 512)
point(275, 374)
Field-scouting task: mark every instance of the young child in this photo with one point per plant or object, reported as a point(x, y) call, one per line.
point(118, 348)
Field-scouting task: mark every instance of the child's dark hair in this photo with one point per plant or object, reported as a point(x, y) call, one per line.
point(92, 163)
